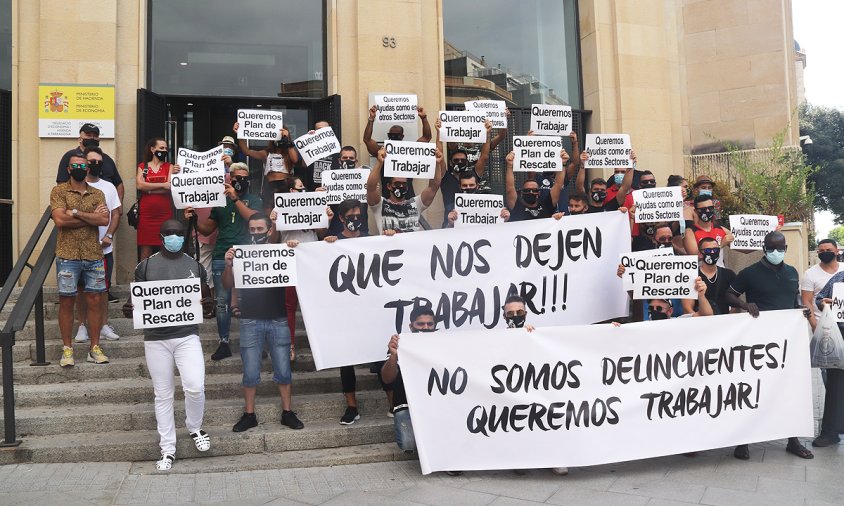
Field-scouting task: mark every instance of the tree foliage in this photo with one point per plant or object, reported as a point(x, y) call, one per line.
point(825, 126)
point(837, 235)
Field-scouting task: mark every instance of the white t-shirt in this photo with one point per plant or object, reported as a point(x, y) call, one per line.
point(112, 202)
point(275, 163)
point(401, 217)
point(814, 279)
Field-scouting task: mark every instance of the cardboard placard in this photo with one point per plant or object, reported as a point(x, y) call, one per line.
point(658, 204)
point(200, 182)
point(342, 184)
point(838, 302)
point(462, 126)
point(550, 119)
point(668, 277)
point(395, 108)
point(495, 111)
point(264, 266)
point(537, 153)
point(473, 209)
point(608, 151)
point(317, 145)
point(166, 303)
point(301, 211)
point(628, 260)
point(749, 230)
point(410, 159)
point(190, 161)
point(259, 124)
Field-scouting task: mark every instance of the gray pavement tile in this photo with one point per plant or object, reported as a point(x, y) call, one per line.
point(769, 469)
point(724, 497)
point(65, 498)
point(539, 485)
point(585, 497)
point(357, 498)
point(832, 492)
point(509, 501)
point(666, 502)
point(436, 495)
point(312, 499)
point(710, 477)
point(661, 488)
point(282, 501)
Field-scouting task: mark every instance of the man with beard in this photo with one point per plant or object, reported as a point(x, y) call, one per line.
point(717, 279)
point(704, 225)
point(396, 132)
point(527, 204)
point(817, 276)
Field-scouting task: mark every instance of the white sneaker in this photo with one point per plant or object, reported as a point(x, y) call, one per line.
point(560, 471)
point(81, 334)
point(108, 333)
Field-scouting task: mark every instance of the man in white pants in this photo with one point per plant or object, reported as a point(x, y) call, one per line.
point(179, 345)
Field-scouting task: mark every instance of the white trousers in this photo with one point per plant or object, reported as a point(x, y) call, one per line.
point(186, 354)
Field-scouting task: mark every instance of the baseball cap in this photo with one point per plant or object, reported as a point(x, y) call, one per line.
point(89, 128)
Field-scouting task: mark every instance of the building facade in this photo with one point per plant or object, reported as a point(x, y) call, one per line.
point(681, 77)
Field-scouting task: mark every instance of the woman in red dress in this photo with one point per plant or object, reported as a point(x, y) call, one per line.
point(154, 193)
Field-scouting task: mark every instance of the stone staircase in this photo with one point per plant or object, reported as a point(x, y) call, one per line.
point(105, 412)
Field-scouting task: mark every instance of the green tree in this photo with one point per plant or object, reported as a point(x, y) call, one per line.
point(825, 126)
point(837, 235)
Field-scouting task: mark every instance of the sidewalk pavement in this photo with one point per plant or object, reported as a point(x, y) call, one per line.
point(772, 476)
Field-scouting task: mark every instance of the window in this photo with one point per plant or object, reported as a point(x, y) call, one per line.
point(5, 44)
point(522, 52)
point(237, 48)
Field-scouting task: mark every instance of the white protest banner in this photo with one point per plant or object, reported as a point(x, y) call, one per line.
point(658, 204)
point(550, 119)
point(317, 145)
point(199, 183)
point(371, 284)
point(669, 277)
point(342, 184)
point(301, 211)
point(596, 394)
point(628, 260)
point(410, 159)
point(838, 302)
point(608, 150)
point(537, 153)
point(462, 126)
point(259, 124)
point(474, 209)
point(749, 230)
point(166, 303)
point(495, 111)
point(396, 108)
point(264, 266)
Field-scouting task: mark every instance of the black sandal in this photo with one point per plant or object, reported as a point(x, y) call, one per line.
point(799, 450)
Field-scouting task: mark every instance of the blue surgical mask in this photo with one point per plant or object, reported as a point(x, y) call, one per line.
point(775, 256)
point(708, 193)
point(618, 178)
point(228, 151)
point(173, 243)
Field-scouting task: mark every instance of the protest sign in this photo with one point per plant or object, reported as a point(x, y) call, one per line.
point(264, 266)
point(259, 124)
point(317, 145)
point(628, 260)
point(596, 394)
point(669, 277)
point(749, 230)
point(474, 209)
point(200, 181)
point(342, 184)
point(462, 126)
point(608, 151)
point(658, 204)
point(550, 119)
point(301, 211)
point(410, 159)
point(838, 302)
point(537, 153)
point(397, 108)
point(495, 111)
point(372, 284)
point(166, 303)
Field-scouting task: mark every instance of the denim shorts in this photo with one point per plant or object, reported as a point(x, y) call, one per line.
point(404, 430)
point(275, 335)
point(89, 273)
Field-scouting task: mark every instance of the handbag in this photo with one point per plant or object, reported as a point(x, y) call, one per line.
point(134, 214)
point(827, 347)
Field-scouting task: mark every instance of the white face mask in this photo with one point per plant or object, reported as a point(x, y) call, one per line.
point(775, 256)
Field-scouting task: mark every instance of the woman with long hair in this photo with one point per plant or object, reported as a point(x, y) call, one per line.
point(153, 183)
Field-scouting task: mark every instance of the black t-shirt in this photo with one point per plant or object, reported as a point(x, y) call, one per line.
point(335, 226)
point(399, 395)
point(450, 186)
point(262, 303)
point(543, 209)
point(768, 288)
point(641, 243)
point(545, 180)
point(610, 205)
point(341, 236)
point(316, 169)
point(109, 173)
point(716, 290)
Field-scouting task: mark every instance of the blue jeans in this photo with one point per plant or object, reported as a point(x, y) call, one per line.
point(224, 316)
point(69, 273)
point(404, 430)
point(275, 334)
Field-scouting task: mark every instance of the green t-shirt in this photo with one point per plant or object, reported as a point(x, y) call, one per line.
point(233, 228)
point(768, 288)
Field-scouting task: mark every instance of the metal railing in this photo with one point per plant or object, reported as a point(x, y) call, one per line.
point(722, 166)
point(32, 295)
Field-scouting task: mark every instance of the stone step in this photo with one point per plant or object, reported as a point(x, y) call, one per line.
point(134, 367)
point(142, 445)
point(50, 420)
point(123, 327)
point(137, 390)
point(321, 457)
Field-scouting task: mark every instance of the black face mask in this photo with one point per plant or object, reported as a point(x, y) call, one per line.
point(90, 143)
point(530, 198)
point(78, 174)
point(347, 164)
point(353, 224)
point(515, 322)
point(283, 143)
point(394, 137)
point(95, 168)
point(712, 258)
point(459, 165)
point(826, 256)
point(161, 155)
point(648, 230)
point(705, 214)
point(260, 238)
point(599, 195)
point(647, 184)
point(657, 315)
point(575, 213)
point(240, 185)
point(470, 190)
point(399, 191)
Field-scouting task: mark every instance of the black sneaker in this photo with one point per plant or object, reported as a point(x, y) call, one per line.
point(223, 351)
point(246, 422)
point(826, 440)
point(112, 299)
point(350, 416)
point(290, 419)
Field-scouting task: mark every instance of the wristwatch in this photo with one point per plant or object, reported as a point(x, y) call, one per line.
point(110, 236)
point(74, 212)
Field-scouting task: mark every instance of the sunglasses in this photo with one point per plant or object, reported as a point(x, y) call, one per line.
point(657, 309)
point(78, 165)
point(510, 314)
point(530, 190)
point(711, 251)
point(781, 250)
point(298, 189)
point(709, 208)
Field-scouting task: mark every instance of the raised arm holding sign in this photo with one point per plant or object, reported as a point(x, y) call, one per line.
point(462, 126)
point(259, 124)
point(316, 145)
